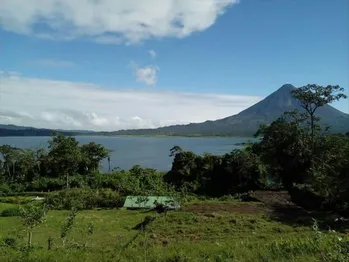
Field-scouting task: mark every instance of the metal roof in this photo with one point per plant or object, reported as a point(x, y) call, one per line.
point(148, 202)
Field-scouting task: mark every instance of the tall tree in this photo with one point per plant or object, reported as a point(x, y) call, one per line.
point(64, 155)
point(92, 155)
point(285, 148)
point(313, 96)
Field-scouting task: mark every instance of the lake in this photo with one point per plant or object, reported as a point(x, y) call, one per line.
point(150, 152)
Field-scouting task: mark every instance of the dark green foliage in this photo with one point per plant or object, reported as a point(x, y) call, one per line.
point(47, 184)
point(64, 156)
point(238, 171)
point(285, 149)
point(66, 164)
point(311, 164)
point(136, 181)
point(92, 155)
point(305, 196)
point(5, 189)
point(85, 199)
point(312, 97)
point(11, 212)
point(330, 172)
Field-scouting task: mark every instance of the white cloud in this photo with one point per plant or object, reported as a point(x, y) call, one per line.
point(54, 63)
point(152, 53)
point(146, 74)
point(69, 105)
point(108, 21)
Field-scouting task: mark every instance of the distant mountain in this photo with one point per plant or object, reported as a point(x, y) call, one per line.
point(13, 130)
point(245, 123)
point(13, 127)
point(248, 121)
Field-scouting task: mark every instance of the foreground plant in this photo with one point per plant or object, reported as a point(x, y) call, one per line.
point(32, 216)
point(68, 225)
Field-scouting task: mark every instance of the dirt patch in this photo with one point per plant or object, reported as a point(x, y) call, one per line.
point(273, 198)
point(278, 206)
point(236, 208)
point(270, 202)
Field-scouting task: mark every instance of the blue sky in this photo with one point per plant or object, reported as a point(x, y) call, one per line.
point(225, 56)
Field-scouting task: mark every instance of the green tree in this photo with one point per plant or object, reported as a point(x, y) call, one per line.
point(184, 169)
point(285, 149)
point(330, 172)
point(10, 157)
point(239, 171)
point(175, 150)
point(67, 225)
point(312, 96)
point(64, 156)
point(26, 165)
point(92, 155)
point(32, 216)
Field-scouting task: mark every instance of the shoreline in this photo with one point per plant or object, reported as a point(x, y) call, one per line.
point(149, 136)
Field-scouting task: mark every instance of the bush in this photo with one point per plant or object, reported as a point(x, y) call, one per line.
point(4, 190)
point(109, 198)
point(9, 242)
point(136, 181)
point(11, 212)
point(17, 187)
point(46, 184)
point(17, 200)
point(304, 196)
point(85, 199)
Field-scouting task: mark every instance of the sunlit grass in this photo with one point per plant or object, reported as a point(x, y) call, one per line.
point(175, 236)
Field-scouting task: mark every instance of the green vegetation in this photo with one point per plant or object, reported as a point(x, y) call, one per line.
point(284, 198)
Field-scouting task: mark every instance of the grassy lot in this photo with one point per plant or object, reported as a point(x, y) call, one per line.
point(200, 231)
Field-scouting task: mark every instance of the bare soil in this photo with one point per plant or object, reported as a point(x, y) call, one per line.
point(270, 202)
point(226, 207)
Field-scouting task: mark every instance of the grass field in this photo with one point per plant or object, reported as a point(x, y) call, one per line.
point(200, 231)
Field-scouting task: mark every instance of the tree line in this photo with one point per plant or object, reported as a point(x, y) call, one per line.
point(295, 153)
point(62, 165)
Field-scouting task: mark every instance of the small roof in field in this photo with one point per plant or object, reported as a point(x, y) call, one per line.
point(150, 202)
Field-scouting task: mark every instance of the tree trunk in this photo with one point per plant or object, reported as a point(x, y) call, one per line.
point(30, 236)
point(13, 170)
point(67, 180)
point(312, 133)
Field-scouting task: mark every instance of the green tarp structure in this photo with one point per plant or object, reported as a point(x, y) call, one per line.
point(148, 202)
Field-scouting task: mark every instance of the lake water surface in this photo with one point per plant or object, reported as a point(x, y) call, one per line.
point(150, 152)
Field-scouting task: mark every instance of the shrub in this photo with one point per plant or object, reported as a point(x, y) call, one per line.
point(109, 198)
point(85, 199)
point(9, 241)
point(4, 190)
point(136, 181)
point(18, 200)
point(304, 196)
point(46, 184)
point(17, 187)
point(11, 212)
